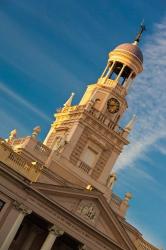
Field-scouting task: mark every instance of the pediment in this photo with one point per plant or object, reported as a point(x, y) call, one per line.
point(91, 208)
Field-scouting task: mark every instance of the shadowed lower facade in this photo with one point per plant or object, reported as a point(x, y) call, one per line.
point(58, 194)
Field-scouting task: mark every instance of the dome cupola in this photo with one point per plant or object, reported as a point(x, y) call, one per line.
point(124, 63)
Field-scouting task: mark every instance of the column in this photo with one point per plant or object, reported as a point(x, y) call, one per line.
point(110, 69)
point(54, 232)
point(129, 80)
point(23, 211)
point(109, 72)
point(105, 70)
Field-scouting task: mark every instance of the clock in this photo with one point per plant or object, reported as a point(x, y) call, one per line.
point(113, 105)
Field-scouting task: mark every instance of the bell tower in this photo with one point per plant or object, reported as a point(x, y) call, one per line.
point(86, 139)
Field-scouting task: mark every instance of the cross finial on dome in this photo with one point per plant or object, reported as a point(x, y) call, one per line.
point(141, 30)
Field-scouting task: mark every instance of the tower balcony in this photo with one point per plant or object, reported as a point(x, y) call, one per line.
point(113, 84)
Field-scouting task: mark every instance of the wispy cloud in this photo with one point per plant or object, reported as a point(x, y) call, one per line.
point(22, 101)
point(147, 100)
point(9, 123)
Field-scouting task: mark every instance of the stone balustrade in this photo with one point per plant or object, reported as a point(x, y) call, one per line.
point(112, 84)
point(116, 199)
point(15, 161)
point(83, 166)
point(75, 108)
point(105, 121)
point(19, 141)
point(40, 147)
point(75, 111)
point(144, 245)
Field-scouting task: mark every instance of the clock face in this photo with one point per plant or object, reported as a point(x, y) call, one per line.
point(113, 105)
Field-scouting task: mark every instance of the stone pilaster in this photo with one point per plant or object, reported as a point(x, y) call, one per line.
point(22, 212)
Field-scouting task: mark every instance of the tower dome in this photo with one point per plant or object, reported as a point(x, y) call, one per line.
point(131, 48)
point(128, 54)
point(125, 62)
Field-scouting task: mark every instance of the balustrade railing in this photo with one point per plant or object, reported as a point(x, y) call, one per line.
point(18, 141)
point(71, 109)
point(95, 113)
point(103, 118)
point(40, 147)
point(30, 170)
point(116, 199)
point(144, 245)
point(83, 166)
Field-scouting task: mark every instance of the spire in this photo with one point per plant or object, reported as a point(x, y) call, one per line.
point(131, 124)
point(140, 32)
point(69, 101)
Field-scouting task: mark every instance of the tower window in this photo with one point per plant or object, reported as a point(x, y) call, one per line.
point(89, 156)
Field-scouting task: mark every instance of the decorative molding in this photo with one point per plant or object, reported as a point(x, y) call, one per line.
point(98, 141)
point(88, 210)
point(22, 208)
point(83, 247)
point(56, 230)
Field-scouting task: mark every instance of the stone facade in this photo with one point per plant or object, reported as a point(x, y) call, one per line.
point(57, 194)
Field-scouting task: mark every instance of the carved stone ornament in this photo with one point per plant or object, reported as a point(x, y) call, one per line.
point(88, 210)
point(83, 247)
point(56, 230)
point(21, 207)
point(60, 143)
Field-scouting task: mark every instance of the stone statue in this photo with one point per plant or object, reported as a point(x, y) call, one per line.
point(88, 210)
point(36, 132)
point(60, 143)
point(111, 180)
point(12, 135)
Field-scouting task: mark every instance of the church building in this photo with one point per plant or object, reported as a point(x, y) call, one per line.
point(58, 194)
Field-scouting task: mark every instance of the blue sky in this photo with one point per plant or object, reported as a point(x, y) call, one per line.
point(50, 48)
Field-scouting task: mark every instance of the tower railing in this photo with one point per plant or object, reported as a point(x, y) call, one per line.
point(107, 122)
point(144, 245)
point(102, 118)
point(83, 166)
point(40, 147)
point(75, 108)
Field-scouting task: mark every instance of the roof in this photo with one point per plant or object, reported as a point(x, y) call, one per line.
point(131, 48)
